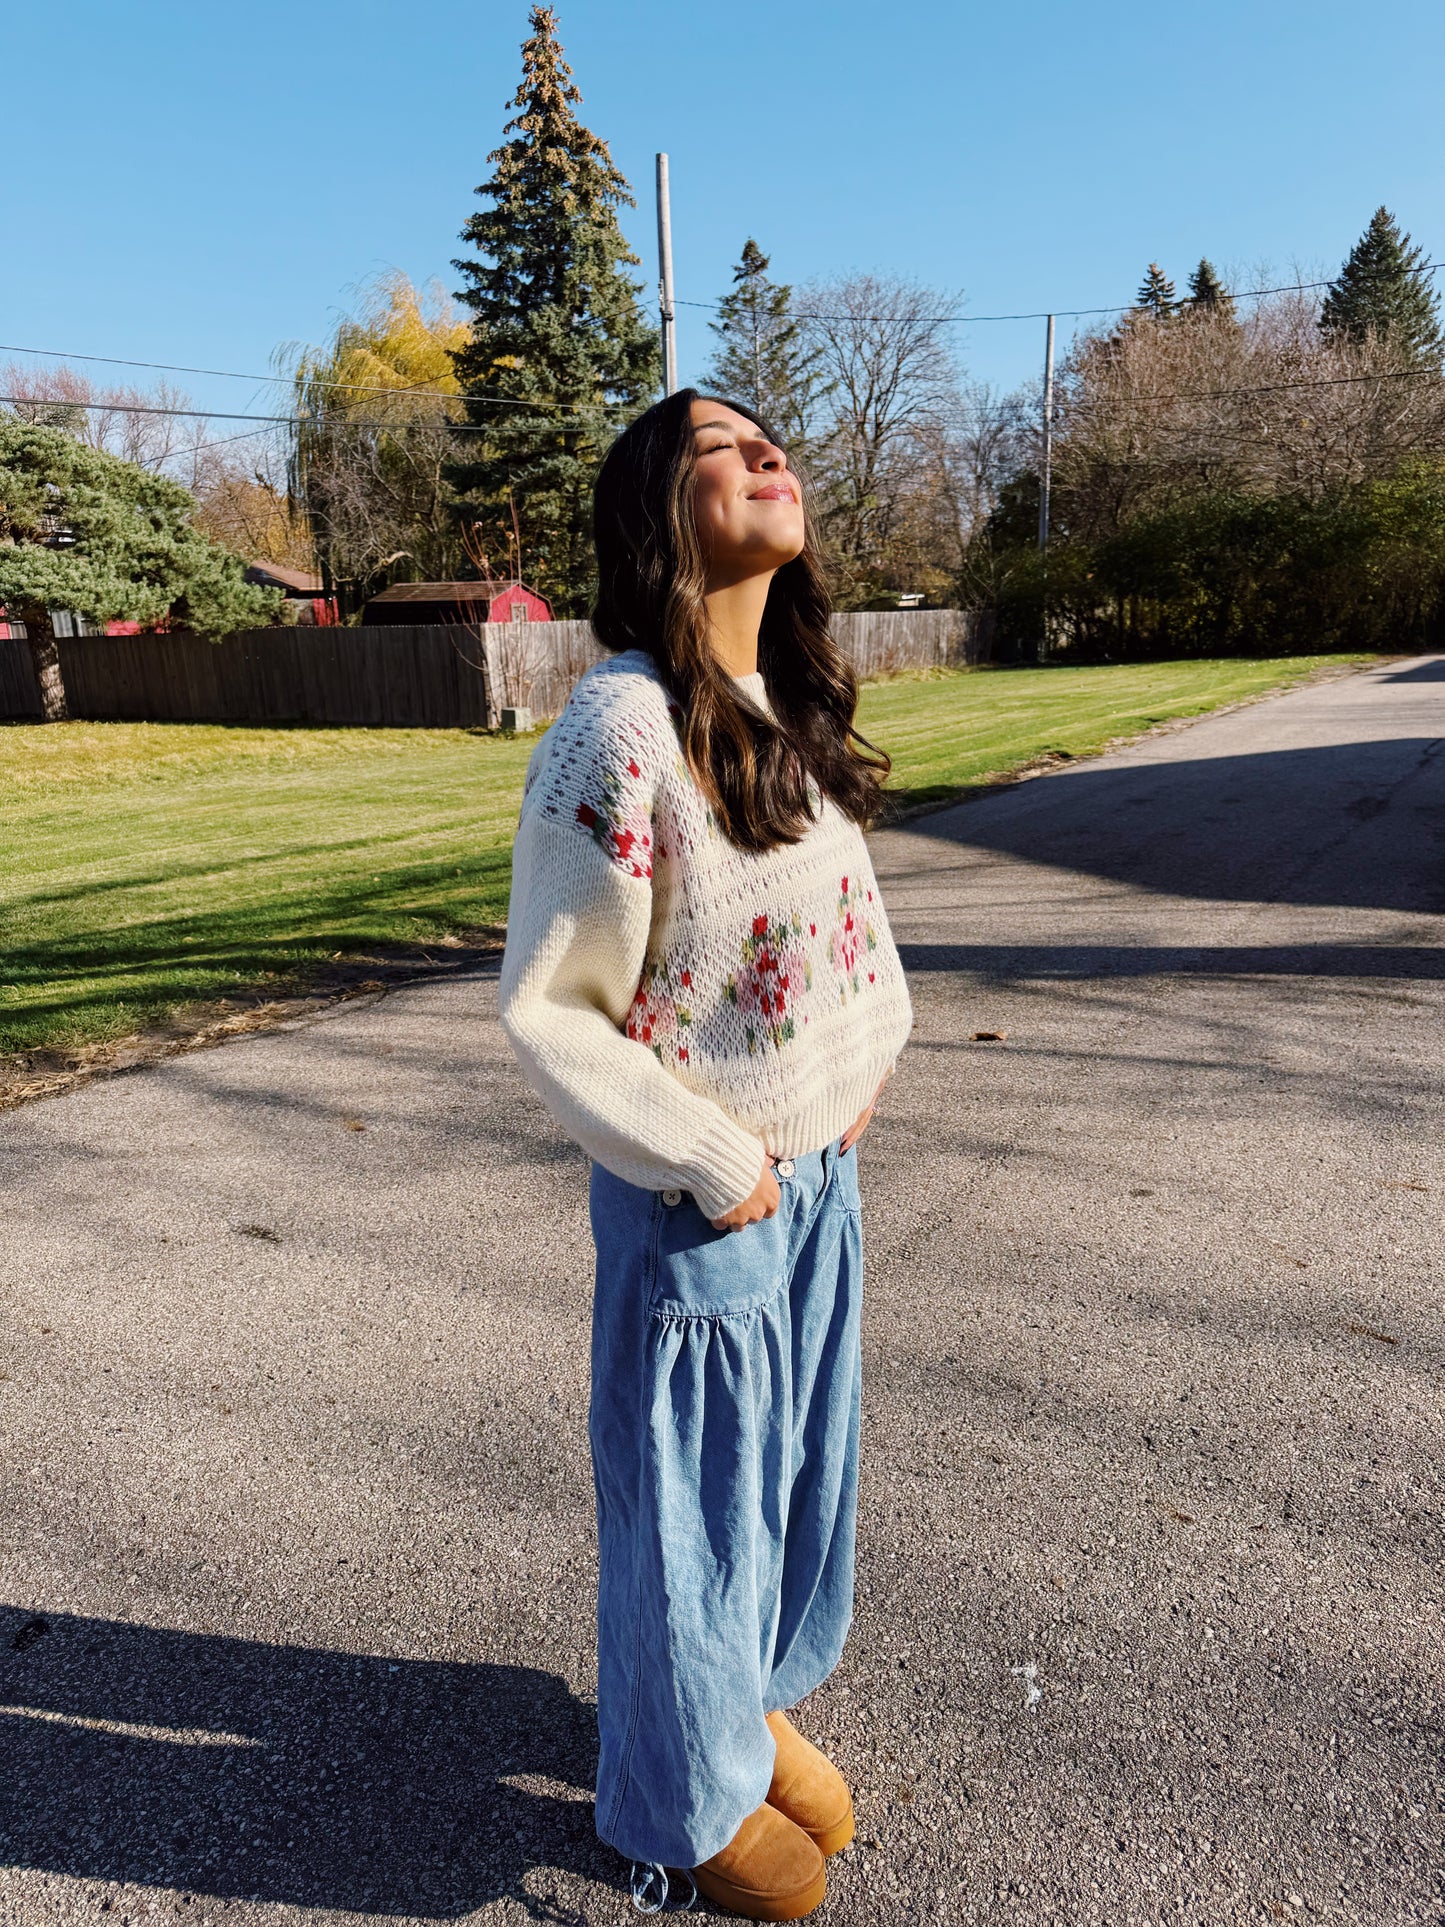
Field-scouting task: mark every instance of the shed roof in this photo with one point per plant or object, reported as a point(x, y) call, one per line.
point(482, 591)
point(301, 580)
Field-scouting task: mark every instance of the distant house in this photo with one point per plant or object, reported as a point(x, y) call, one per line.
point(65, 622)
point(300, 587)
point(470, 602)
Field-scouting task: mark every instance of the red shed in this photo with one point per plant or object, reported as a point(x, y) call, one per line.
point(485, 601)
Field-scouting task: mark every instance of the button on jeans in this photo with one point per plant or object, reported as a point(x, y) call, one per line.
point(724, 1428)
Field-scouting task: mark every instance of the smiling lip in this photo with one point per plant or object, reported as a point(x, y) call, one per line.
point(775, 492)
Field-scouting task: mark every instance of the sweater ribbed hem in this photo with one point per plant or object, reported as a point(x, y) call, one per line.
point(724, 1168)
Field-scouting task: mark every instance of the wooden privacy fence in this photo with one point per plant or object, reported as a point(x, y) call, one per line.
point(441, 677)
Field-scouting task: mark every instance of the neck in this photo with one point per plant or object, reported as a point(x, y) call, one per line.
point(734, 617)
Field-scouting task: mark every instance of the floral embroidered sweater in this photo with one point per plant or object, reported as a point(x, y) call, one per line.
point(682, 1005)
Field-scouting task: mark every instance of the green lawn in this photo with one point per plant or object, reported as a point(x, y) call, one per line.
point(145, 866)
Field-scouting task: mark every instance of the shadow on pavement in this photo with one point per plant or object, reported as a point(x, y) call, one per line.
point(1007, 963)
point(1284, 826)
point(229, 1768)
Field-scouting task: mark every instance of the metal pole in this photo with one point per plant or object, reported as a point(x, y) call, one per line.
point(664, 259)
point(1046, 464)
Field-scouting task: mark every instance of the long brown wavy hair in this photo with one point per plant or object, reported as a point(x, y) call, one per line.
point(756, 772)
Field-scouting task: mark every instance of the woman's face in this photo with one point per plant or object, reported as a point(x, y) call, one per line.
point(747, 507)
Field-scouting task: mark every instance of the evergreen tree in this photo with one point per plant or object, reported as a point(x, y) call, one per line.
point(1382, 290)
point(1156, 294)
point(84, 531)
point(555, 324)
point(762, 358)
point(1208, 294)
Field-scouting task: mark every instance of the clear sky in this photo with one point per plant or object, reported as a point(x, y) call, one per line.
point(194, 183)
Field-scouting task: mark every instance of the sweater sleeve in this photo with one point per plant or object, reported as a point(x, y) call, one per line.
point(577, 931)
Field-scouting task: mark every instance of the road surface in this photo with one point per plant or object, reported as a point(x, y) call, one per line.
point(296, 1549)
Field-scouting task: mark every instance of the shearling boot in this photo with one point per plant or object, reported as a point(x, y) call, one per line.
point(769, 1870)
point(809, 1788)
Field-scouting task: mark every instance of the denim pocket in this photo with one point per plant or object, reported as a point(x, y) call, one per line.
point(699, 1272)
point(845, 1176)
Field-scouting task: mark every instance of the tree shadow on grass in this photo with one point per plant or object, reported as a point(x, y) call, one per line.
point(230, 1768)
point(72, 985)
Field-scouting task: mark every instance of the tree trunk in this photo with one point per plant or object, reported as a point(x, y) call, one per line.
point(45, 655)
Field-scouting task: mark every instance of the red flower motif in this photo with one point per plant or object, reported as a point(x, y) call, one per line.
point(586, 815)
point(845, 886)
point(773, 968)
point(686, 980)
point(633, 770)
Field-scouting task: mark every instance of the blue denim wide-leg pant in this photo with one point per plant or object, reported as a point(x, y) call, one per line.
point(724, 1427)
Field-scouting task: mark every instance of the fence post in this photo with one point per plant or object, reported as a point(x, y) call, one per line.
point(495, 680)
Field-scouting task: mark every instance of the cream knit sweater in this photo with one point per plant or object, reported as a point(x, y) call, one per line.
point(679, 1004)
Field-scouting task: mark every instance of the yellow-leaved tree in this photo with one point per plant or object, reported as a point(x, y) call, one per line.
point(377, 409)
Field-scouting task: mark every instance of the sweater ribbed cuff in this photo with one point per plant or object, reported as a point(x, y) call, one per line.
point(725, 1165)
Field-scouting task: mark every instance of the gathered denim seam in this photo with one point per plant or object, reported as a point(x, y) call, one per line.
point(624, 1777)
point(710, 1315)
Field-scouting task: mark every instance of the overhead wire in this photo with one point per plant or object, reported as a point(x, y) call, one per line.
point(232, 374)
point(110, 407)
point(558, 409)
point(1059, 314)
point(505, 401)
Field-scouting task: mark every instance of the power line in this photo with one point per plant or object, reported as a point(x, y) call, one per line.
point(1263, 388)
point(233, 415)
point(544, 407)
point(232, 374)
point(1042, 314)
point(469, 428)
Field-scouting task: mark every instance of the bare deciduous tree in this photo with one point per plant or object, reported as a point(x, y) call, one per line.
point(886, 358)
point(1163, 409)
point(132, 423)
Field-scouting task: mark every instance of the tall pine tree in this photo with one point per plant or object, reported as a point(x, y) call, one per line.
point(556, 326)
point(1156, 294)
point(1383, 290)
point(1208, 294)
point(762, 358)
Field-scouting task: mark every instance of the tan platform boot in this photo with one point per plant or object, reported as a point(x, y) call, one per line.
point(769, 1870)
point(809, 1788)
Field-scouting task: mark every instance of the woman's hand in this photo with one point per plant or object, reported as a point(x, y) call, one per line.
point(860, 1123)
point(761, 1202)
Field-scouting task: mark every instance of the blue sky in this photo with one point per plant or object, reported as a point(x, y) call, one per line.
point(196, 184)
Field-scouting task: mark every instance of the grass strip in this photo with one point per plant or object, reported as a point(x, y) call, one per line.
point(148, 866)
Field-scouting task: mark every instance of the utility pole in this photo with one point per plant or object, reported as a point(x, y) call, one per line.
point(1045, 480)
point(664, 260)
point(1046, 464)
point(1046, 468)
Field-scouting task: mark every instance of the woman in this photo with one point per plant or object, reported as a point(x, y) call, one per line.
point(700, 983)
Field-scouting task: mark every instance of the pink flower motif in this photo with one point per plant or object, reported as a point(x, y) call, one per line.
point(620, 825)
point(851, 938)
point(767, 988)
point(658, 1019)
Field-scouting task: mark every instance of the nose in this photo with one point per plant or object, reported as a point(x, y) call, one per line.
point(766, 457)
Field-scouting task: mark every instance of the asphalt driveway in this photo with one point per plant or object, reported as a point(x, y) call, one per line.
point(296, 1550)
